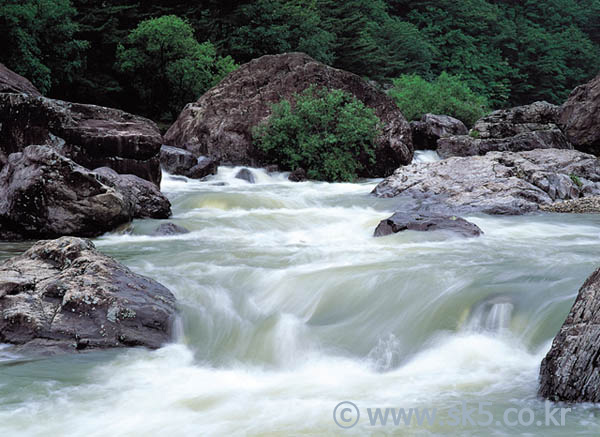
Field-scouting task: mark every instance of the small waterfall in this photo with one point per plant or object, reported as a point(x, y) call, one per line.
point(492, 316)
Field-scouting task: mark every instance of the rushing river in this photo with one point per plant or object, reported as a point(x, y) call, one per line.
point(290, 306)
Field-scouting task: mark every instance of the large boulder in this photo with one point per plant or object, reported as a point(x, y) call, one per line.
point(92, 136)
point(570, 371)
point(11, 82)
point(580, 117)
point(427, 131)
point(145, 198)
point(43, 194)
point(410, 221)
point(64, 295)
point(219, 124)
point(516, 129)
point(497, 183)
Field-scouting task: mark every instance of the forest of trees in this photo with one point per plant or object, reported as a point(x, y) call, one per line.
point(507, 51)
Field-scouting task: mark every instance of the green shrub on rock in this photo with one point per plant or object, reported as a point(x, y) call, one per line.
point(447, 95)
point(330, 134)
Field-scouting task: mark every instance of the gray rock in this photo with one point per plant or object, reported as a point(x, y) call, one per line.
point(170, 229)
point(298, 175)
point(584, 205)
point(11, 82)
point(516, 129)
point(580, 117)
point(92, 136)
point(205, 167)
point(403, 221)
point(64, 295)
point(177, 161)
point(43, 194)
point(431, 127)
point(246, 175)
point(145, 198)
point(469, 146)
point(570, 371)
point(497, 183)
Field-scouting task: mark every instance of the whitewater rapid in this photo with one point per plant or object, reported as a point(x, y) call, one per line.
point(289, 306)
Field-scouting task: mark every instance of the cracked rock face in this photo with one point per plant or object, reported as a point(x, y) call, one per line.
point(219, 125)
point(427, 131)
point(64, 295)
point(571, 371)
point(11, 82)
point(497, 183)
point(516, 129)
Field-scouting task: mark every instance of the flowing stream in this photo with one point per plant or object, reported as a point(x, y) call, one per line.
point(290, 306)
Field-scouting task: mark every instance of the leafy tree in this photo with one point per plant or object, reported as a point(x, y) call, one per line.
point(330, 134)
point(168, 67)
point(278, 26)
point(446, 95)
point(37, 39)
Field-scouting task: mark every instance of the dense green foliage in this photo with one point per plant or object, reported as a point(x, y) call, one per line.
point(167, 66)
point(37, 40)
point(511, 52)
point(327, 133)
point(447, 95)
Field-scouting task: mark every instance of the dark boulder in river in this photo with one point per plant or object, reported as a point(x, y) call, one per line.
point(178, 161)
point(402, 221)
point(571, 370)
point(580, 117)
point(509, 130)
point(220, 123)
point(497, 183)
point(246, 175)
point(44, 194)
point(11, 82)
point(64, 295)
point(92, 136)
point(170, 229)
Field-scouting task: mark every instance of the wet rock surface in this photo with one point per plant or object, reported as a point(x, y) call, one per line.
point(497, 183)
point(11, 82)
point(246, 175)
point(64, 295)
point(170, 229)
point(402, 221)
point(571, 371)
point(219, 124)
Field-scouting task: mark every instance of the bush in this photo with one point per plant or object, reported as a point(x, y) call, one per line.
point(447, 95)
point(330, 134)
point(168, 67)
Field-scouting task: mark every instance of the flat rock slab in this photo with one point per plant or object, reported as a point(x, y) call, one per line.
point(64, 295)
point(497, 183)
point(402, 221)
point(570, 371)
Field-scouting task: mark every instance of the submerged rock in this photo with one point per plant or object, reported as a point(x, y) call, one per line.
point(402, 221)
point(43, 194)
point(246, 175)
point(205, 167)
point(92, 136)
point(145, 198)
point(220, 123)
point(170, 229)
point(570, 371)
point(497, 183)
point(64, 295)
point(516, 129)
point(580, 117)
point(431, 127)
